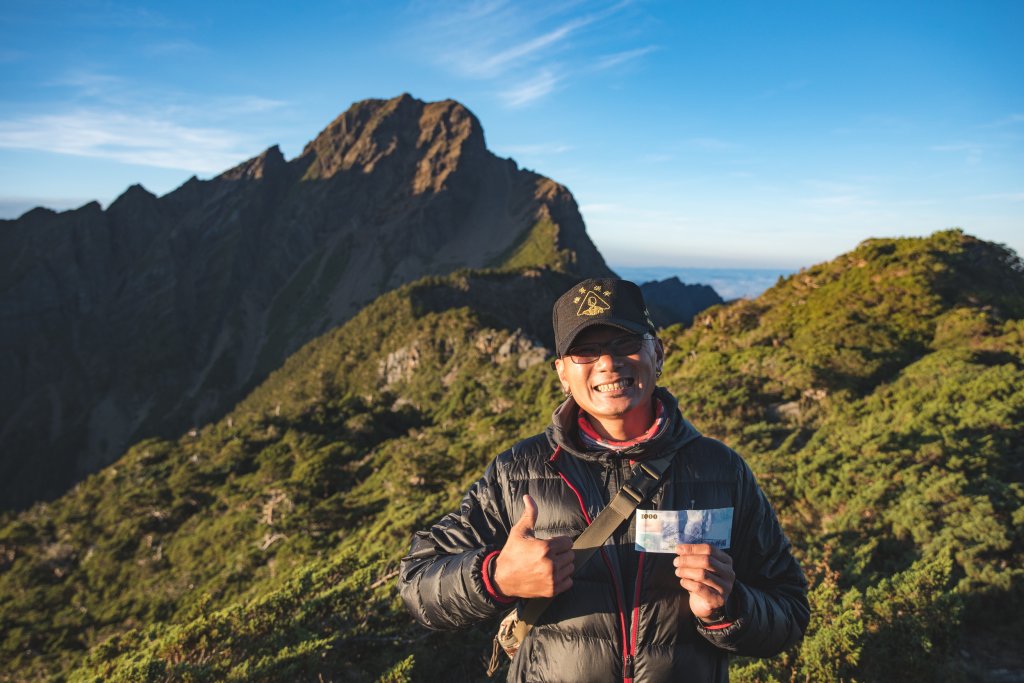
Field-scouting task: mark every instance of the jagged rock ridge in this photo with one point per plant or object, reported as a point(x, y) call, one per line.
point(158, 313)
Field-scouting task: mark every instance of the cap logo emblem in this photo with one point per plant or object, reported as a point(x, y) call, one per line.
point(592, 302)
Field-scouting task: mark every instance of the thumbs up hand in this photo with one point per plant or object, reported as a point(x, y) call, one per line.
point(528, 567)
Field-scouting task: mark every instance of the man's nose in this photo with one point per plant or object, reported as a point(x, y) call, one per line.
point(606, 360)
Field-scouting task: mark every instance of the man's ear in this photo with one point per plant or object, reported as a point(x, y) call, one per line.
point(560, 369)
point(659, 353)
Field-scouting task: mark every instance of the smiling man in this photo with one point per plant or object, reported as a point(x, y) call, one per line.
point(669, 604)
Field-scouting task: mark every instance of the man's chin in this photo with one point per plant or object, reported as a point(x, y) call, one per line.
point(614, 406)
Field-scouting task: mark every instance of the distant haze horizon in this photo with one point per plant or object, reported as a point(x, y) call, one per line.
point(729, 283)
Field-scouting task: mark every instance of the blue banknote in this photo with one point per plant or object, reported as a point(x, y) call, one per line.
point(660, 531)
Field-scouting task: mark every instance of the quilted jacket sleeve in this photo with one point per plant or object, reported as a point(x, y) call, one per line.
point(441, 578)
point(770, 594)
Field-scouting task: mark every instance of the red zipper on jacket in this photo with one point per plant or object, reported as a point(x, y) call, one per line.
point(628, 673)
point(627, 658)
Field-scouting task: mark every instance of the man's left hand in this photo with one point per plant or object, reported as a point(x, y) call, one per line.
point(706, 573)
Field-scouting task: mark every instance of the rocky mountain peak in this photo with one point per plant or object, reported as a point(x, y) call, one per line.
point(37, 213)
point(134, 195)
point(430, 139)
point(157, 314)
point(266, 164)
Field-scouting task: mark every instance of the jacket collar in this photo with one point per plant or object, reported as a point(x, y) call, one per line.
point(676, 433)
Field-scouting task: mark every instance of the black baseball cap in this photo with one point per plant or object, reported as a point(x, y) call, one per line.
point(599, 301)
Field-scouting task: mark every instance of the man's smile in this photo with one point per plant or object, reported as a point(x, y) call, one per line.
point(617, 385)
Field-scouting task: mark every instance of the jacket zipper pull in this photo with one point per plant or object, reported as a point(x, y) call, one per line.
point(627, 668)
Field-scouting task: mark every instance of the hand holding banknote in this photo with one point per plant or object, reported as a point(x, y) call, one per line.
point(707, 574)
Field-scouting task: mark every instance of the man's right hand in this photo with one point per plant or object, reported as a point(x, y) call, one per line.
point(528, 567)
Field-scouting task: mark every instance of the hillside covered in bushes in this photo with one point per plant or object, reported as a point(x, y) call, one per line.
point(879, 398)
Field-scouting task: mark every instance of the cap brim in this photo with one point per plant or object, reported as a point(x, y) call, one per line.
point(627, 325)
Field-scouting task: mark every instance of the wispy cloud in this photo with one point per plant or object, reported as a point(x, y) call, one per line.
point(536, 46)
point(246, 104)
point(96, 89)
point(494, 39)
point(87, 83)
point(106, 116)
point(128, 138)
point(517, 54)
point(531, 90)
point(619, 58)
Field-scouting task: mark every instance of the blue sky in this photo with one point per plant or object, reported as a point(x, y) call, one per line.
point(696, 134)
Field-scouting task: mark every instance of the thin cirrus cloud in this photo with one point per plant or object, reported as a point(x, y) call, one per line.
point(85, 83)
point(116, 118)
point(537, 47)
point(531, 90)
point(128, 138)
point(524, 52)
point(620, 58)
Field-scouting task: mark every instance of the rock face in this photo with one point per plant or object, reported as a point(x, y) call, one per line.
point(670, 301)
point(160, 312)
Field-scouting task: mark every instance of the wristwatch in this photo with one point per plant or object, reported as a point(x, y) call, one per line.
point(718, 616)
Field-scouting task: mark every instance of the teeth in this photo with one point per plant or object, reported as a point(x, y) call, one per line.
point(615, 386)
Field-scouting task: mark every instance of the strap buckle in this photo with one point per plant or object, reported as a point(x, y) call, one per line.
point(628, 489)
point(649, 471)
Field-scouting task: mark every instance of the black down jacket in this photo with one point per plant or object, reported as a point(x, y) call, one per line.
point(626, 616)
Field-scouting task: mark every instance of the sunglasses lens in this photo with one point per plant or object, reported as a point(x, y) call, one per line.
point(620, 346)
point(586, 353)
point(625, 346)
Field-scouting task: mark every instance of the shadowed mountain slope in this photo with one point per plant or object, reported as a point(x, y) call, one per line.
point(879, 398)
point(160, 312)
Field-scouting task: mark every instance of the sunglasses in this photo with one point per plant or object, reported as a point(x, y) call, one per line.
point(625, 345)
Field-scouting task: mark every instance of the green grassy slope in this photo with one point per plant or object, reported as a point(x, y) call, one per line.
point(879, 398)
point(264, 546)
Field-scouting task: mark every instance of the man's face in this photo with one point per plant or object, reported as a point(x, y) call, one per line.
point(611, 387)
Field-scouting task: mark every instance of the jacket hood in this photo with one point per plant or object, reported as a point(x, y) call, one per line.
point(676, 432)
